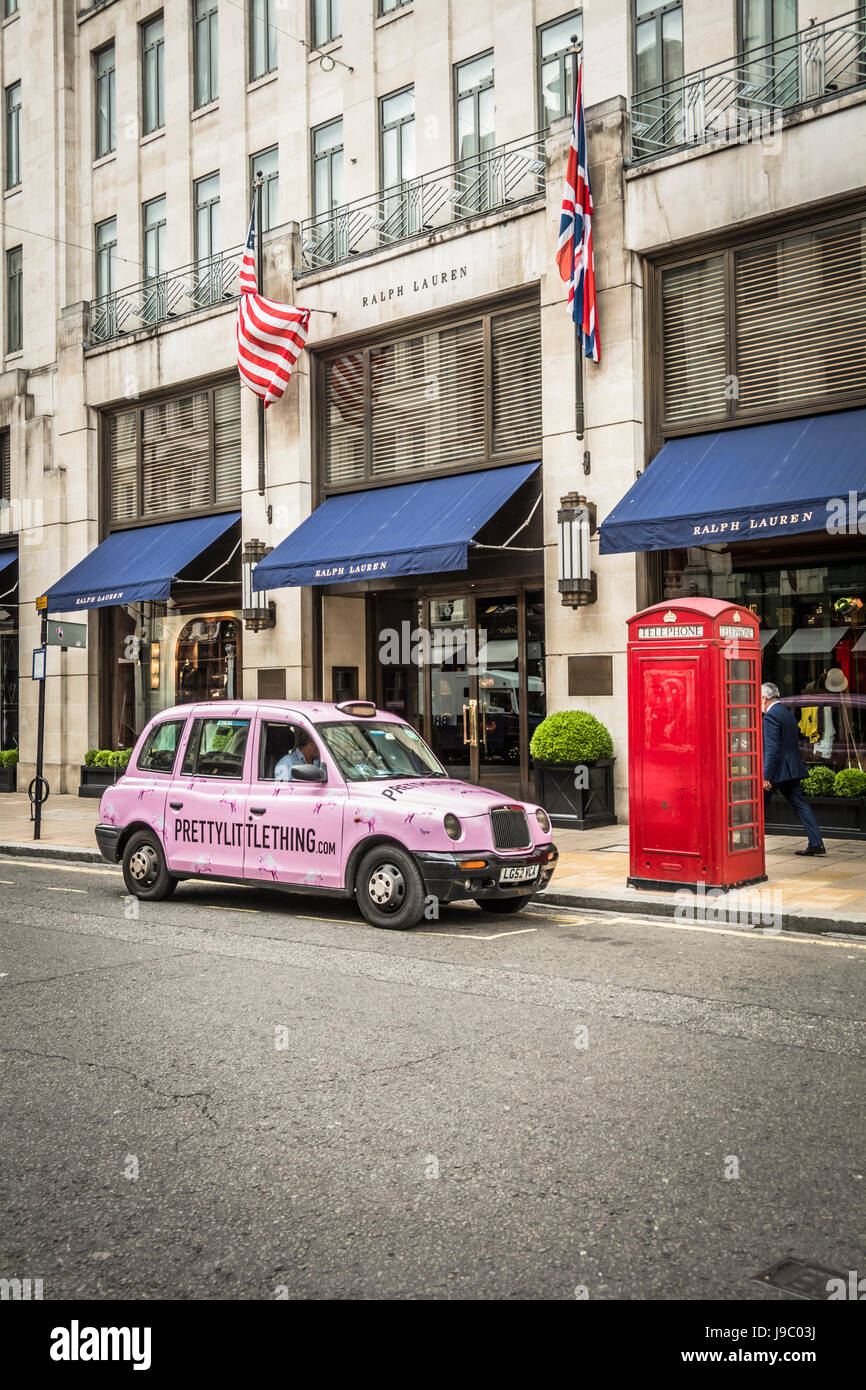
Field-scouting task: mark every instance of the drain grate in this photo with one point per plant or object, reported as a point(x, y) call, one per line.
point(801, 1279)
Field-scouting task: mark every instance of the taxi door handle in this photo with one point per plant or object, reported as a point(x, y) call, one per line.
point(176, 805)
point(257, 810)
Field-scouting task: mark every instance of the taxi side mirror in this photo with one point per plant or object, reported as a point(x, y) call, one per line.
point(306, 772)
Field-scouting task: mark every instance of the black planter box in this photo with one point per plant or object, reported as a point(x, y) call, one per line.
point(571, 807)
point(838, 817)
point(9, 778)
point(94, 780)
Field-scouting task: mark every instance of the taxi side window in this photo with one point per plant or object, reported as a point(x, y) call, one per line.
point(217, 747)
point(280, 747)
point(159, 751)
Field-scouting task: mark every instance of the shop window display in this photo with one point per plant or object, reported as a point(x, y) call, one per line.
point(813, 634)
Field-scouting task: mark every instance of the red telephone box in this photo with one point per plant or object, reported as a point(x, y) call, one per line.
point(696, 805)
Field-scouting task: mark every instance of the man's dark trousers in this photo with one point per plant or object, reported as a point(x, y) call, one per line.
point(793, 794)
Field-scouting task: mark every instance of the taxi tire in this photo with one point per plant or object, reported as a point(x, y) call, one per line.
point(504, 905)
point(410, 913)
point(162, 885)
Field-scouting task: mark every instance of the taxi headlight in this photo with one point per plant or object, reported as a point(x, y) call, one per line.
point(453, 828)
point(543, 819)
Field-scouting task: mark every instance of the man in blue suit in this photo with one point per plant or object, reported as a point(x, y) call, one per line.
point(784, 768)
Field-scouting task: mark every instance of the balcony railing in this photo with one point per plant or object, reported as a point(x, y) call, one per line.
point(732, 100)
point(161, 298)
point(497, 178)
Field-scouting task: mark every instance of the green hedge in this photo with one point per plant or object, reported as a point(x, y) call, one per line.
point(107, 757)
point(819, 781)
point(570, 736)
point(850, 782)
point(8, 757)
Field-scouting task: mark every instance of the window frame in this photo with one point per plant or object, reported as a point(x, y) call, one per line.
point(207, 387)
point(382, 12)
point(397, 125)
point(657, 15)
point(13, 113)
point(198, 723)
point(14, 300)
point(98, 249)
point(334, 33)
point(144, 49)
point(324, 213)
point(265, 723)
point(658, 429)
point(199, 256)
point(271, 57)
point(11, 8)
point(457, 96)
point(205, 28)
point(508, 303)
point(267, 191)
point(110, 76)
point(560, 54)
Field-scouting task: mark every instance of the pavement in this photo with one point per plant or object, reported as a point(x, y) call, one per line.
point(823, 895)
point(242, 1094)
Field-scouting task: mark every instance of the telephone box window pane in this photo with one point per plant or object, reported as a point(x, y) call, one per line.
point(742, 767)
point(742, 743)
point(740, 670)
point(743, 814)
point(739, 694)
point(739, 718)
point(743, 791)
point(743, 839)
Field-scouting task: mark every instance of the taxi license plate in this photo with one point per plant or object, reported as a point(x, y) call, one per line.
point(518, 873)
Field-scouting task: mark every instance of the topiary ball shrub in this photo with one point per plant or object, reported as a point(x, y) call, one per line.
point(570, 736)
point(819, 781)
point(8, 757)
point(90, 757)
point(120, 758)
point(850, 782)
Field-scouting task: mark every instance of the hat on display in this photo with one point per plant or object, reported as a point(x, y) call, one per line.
point(836, 681)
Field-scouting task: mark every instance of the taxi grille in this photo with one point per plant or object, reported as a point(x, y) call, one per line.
point(510, 827)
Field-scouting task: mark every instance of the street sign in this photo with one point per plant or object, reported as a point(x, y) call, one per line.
point(67, 634)
point(38, 664)
point(42, 603)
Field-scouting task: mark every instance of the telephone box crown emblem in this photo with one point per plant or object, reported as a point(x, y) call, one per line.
point(735, 617)
point(670, 616)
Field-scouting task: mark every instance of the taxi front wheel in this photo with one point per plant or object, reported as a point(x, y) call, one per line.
point(389, 888)
point(144, 868)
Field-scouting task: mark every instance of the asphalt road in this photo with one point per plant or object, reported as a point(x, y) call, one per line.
point(241, 1094)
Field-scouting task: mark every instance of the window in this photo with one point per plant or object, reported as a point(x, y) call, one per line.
point(105, 137)
point(658, 43)
point(206, 200)
point(263, 38)
point(465, 394)
point(177, 455)
point(216, 748)
point(5, 467)
point(327, 167)
point(13, 135)
point(106, 253)
point(14, 304)
point(153, 74)
point(738, 339)
point(205, 52)
point(326, 21)
point(10, 7)
point(266, 164)
point(475, 128)
point(773, 75)
point(153, 237)
point(278, 741)
point(160, 749)
point(389, 6)
point(555, 86)
point(401, 209)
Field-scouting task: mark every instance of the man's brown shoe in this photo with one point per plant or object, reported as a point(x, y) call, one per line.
point(810, 850)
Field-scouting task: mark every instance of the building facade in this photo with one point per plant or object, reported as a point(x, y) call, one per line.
point(412, 158)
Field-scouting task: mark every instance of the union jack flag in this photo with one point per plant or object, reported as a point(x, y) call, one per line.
point(271, 336)
point(574, 252)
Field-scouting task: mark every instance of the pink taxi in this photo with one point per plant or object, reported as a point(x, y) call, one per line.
point(344, 800)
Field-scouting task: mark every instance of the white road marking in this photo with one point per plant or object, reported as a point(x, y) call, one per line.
point(49, 889)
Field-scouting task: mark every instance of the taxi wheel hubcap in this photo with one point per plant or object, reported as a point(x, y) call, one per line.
point(387, 887)
point(144, 865)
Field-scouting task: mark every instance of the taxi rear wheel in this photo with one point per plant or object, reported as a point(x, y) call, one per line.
point(503, 905)
point(145, 872)
point(389, 889)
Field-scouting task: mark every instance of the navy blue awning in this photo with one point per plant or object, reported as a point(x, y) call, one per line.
point(412, 528)
point(742, 484)
point(132, 566)
point(7, 558)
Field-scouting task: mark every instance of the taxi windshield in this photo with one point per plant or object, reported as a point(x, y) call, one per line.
point(371, 751)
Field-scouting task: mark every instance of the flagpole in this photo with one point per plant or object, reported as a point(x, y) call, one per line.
point(260, 287)
point(579, 403)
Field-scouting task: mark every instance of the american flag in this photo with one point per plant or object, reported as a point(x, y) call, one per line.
point(574, 252)
point(270, 335)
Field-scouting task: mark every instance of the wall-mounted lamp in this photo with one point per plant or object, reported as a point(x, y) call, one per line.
point(576, 520)
point(259, 610)
point(154, 666)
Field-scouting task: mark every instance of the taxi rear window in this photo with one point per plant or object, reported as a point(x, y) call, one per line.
point(160, 749)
